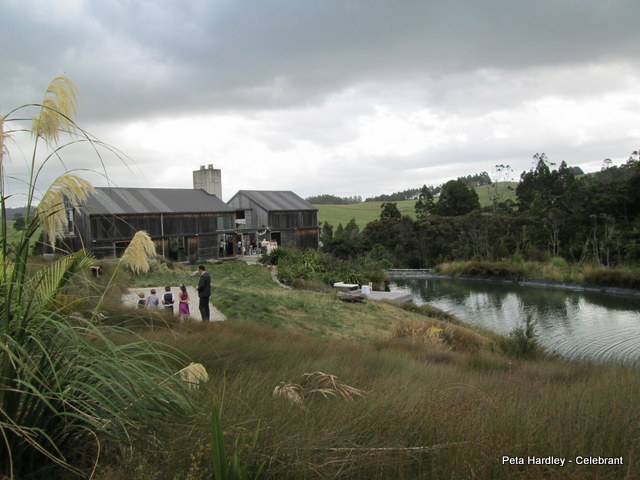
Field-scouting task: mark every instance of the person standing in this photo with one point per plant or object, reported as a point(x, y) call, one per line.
point(168, 299)
point(153, 301)
point(204, 292)
point(183, 305)
point(142, 302)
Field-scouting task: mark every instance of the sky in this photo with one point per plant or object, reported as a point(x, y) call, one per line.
point(341, 97)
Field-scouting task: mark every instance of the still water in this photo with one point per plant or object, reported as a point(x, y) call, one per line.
point(577, 325)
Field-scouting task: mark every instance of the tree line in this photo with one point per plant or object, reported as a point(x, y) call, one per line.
point(558, 213)
point(328, 199)
point(475, 180)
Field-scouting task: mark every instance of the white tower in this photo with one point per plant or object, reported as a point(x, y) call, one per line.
point(208, 179)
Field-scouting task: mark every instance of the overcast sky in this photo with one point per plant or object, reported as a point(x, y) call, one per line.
point(346, 97)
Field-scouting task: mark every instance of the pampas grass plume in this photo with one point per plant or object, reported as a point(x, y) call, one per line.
point(67, 191)
point(136, 255)
point(193, 375)
point(58, 109)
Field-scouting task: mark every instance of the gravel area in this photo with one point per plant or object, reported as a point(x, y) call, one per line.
point(131, 299)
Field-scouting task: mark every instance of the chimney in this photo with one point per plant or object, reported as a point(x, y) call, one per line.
point(209, 180)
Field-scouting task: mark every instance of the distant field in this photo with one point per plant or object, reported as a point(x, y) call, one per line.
point(505, 191)
point(369, 211)
point(362, 212)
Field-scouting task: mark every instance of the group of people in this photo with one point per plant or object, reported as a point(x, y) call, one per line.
point(250, 247)
point(168, 299)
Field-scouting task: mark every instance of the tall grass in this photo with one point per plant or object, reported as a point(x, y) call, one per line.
point(67, 391)
point(421, 418)
point(431, 409)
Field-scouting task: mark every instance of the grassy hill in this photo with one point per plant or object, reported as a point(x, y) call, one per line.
point(369, 211)
point(431, 399)
point(362, 212)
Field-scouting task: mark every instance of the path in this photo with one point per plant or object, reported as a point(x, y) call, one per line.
point(131, 299)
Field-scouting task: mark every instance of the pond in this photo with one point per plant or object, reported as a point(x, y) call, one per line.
point(577, 325)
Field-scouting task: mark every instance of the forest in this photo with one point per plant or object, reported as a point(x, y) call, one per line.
point(558, 213)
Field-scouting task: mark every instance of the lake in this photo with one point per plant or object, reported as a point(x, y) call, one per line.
point(577, 325)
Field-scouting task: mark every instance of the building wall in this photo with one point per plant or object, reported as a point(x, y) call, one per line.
point(255, 216)
point(115, 228)
point(108, 235)
point(293, 220)
point(296, 229)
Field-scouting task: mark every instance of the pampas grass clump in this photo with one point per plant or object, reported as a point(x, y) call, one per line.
point(326, 385)
point(137, 254)
point(314, 383)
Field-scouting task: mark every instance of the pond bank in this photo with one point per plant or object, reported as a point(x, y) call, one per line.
point(576, 287)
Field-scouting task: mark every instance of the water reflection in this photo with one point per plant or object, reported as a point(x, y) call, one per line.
point(580, 325)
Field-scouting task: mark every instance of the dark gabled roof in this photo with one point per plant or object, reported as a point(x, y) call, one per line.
point(123, 201)
point(270, 200)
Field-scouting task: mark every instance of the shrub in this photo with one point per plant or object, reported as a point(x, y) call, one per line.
point(522, 342)
point(491, 269)
point(312, 265)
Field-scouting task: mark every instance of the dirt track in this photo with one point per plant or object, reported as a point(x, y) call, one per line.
point(131, 299)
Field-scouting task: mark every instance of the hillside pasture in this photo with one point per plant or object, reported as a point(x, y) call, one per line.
point(368, 211)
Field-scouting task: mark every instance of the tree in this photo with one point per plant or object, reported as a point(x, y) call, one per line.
point(351, 230)
point(18, 222)
point(390, 211)
point(327, 233)
point(425, 204)
point(456, 199)
point(551, 187)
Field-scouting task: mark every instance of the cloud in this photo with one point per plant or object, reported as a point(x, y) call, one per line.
point(342, 97)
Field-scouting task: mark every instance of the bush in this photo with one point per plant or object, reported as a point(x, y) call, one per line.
point(491, 269)
point(312, 265)
point(522, 342)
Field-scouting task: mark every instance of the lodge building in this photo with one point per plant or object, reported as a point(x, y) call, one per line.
point(190, 225)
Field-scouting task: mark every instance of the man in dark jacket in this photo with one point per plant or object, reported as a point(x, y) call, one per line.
point(204, 292)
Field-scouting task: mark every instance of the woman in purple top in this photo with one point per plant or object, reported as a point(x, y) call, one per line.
point(183, 305)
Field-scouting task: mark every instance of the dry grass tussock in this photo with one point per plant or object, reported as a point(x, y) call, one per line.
point(438, 333)
point(291, 392)
point(316, 383)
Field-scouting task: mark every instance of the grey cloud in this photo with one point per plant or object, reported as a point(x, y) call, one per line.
point(261, 55)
